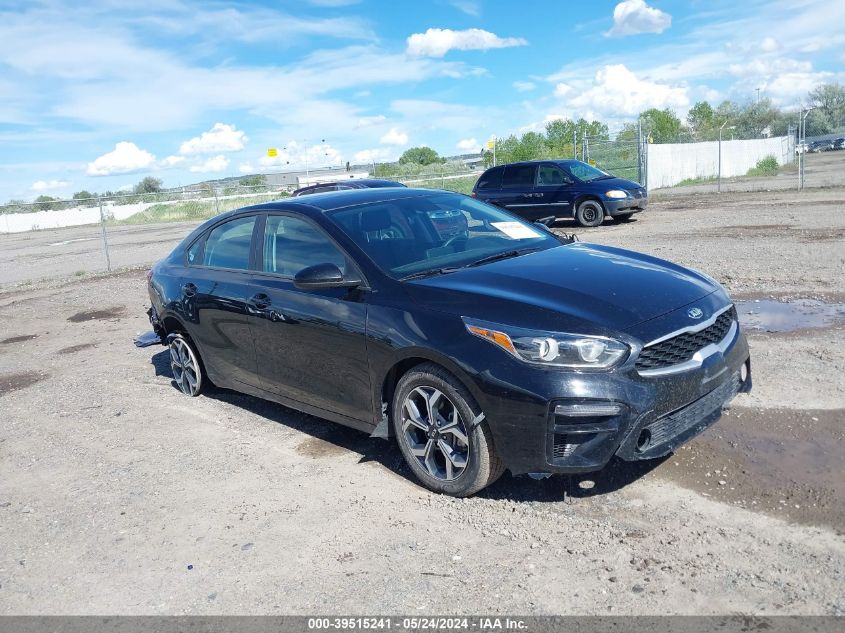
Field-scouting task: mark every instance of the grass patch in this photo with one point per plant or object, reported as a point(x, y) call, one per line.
point(458, 185)
point(767, 166)
point(191, 210)
point(703, 180)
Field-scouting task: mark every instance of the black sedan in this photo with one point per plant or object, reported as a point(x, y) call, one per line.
point(494, 344)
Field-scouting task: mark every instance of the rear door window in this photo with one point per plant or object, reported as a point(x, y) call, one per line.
point(228, 245)
point(491, 179)
point(519, 176)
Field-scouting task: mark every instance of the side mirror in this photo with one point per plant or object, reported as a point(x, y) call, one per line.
point(321, 276)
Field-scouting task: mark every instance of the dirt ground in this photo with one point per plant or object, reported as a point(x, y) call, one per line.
point(119, 495)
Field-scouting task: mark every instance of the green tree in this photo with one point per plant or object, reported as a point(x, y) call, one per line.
point(702, 119)
point(755, 120)
point(46, 203)
point(86, 198)
point(830, 100)
point(419, 156)
point(559, 137)
point(149, 185)
point(258, 180)
point(661, 126)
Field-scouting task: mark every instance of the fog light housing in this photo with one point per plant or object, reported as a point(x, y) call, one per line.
point(589, 409)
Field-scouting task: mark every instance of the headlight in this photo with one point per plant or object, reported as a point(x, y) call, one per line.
point(551, 349)
point(616, 193)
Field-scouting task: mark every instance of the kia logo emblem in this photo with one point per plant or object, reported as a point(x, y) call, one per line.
point(695, 313)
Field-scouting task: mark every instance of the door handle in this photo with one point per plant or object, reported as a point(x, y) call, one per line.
point(189, 289)
point(260, 301)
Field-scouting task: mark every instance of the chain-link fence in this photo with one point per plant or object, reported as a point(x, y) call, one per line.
point(58, 238)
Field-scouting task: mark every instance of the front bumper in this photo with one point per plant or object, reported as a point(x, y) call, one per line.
point(534, 431)
point(624, 206)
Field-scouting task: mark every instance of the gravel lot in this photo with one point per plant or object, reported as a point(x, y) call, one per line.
point(119, 495)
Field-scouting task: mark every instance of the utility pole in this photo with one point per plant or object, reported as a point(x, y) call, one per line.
point(105, 237)
point(719, 186)
point(803, 133)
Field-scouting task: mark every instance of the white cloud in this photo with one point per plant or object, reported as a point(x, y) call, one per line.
point(125, 158)
point(769, 44)
point(616, 91)
point(48, 185)
point(171, 161)
point(368, 121)
point(562, 89)
point(220, 138)
point(394, 137)
point(212, 165)
point(631, 17)
point(246, 168)
point(524, 86)
point(470, 7)
point(378, 155)
point(760, 68)
point(469, 146)
point(438, 42)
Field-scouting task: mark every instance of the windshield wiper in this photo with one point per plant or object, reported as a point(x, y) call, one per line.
point(428, 273)
point(499, 256)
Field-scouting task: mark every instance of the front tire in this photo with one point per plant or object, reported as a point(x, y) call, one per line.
point(590, 213)
point(433, 419)
point(186, 366)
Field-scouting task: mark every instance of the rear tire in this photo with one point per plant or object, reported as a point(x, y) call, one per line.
point(186, 366)
point(590, 213)
point(433, 418)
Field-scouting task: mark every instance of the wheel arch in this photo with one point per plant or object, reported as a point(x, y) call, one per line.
point(410, 359)
point(588, 196)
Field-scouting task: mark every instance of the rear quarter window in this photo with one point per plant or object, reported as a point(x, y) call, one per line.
point(491, 179)
point(519, 176)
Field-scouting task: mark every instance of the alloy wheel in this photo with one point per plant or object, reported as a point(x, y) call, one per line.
point(435, 433)
point(185, 367)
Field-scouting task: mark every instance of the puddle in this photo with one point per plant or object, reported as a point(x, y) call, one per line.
point(768, 315)
point(785, 462)
point(101, 315)
point(18, 339)
point(76, 348)
point(22, 380)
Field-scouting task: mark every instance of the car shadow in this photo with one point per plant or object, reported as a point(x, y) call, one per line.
point(328, 438)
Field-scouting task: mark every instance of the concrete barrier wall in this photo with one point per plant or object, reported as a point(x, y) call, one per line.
point(671, 163)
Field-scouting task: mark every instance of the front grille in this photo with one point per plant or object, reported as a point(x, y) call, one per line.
point(681, 348)
point(684, 419)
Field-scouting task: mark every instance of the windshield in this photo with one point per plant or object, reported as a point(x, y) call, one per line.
point(585, 172)
point(428, 233)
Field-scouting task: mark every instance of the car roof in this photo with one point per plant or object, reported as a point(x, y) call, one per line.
point(556, 161)
point(333, 200)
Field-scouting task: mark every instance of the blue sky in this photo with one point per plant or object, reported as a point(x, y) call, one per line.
point(97, 95)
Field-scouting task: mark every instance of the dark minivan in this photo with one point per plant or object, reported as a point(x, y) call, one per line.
point(561, 188)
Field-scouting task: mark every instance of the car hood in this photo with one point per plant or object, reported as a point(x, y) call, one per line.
point(578, 285)
point(615, 183)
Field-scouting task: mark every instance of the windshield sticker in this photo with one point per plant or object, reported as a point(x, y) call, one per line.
point(515, 230)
